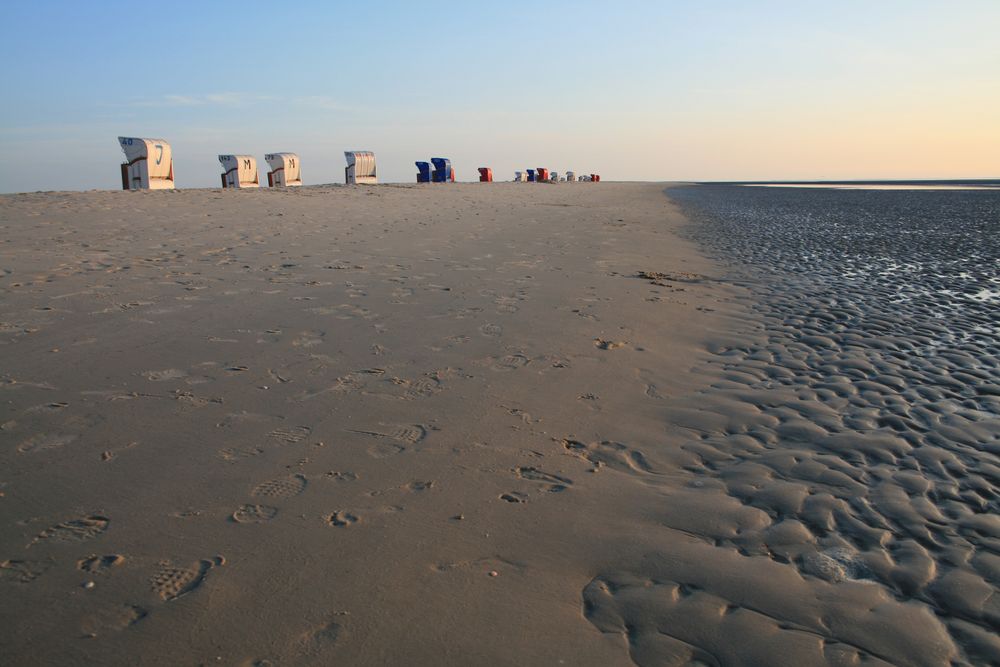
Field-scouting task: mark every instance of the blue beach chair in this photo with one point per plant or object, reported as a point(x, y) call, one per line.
point(423, 172)
point(442, 170)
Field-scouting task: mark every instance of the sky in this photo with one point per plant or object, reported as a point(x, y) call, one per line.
point(656, 90)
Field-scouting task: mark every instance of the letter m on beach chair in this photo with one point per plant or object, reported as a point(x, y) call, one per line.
point(240, 171)
point(284, 170)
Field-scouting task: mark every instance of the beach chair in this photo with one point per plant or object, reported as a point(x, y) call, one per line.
point(485, 175)
point(554, 177)
point(442, 170)
point(531, 175)
point(570, 176)
point(150, 165)
point(596, 178)
point(284, 170)
point(423, 172)
point(520, 177)
point(240, 171)
point(541, 174)
point(360, 168)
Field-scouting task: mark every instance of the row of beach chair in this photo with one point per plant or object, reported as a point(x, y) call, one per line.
point(543, 175)
point(150, 166)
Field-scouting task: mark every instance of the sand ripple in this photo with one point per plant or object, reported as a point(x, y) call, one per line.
point(865, 423)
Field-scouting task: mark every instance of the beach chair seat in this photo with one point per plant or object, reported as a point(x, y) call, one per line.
point(149, 166)
point(361, 168)
point(423, 172)
point(240, 171)
point(442, 170)
point(284, 170)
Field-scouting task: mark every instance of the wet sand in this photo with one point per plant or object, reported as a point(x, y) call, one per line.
point(880, 368)
point(502, 424)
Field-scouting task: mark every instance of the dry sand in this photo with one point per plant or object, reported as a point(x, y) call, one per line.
point(464, 424)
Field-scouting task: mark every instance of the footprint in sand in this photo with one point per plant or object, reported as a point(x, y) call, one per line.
point(254, 513)
point(506, 304)
point(491, 330)
point(44, 441)
point(416, 486)
point(316, 642)
point(514, 497)
point(74, 530)
point(282, 487)
point(309, 339)
point(554, 482)
point(114, 618)
point(612, 454)
point(511, 362)
point(339, 476)
point(98, 564)
point(278, 377)
point(168, 374)
point(344, 311)
point(383, 450)
point(602, 344)
point(405, 433)
point(483, 566)
point(653, 392)
point(234, 454)
point(341, 519)
point(47, 407)
point(290, 435)
point(23, 571)
point(170, 582)
point(424, 386)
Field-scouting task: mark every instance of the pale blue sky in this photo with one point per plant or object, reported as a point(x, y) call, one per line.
point(632, 90)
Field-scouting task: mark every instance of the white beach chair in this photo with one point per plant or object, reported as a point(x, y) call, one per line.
point(360, 167)
point(241, 171)
point(284, 170)
point(520, 177)
point(570, 176)
point(150, 164)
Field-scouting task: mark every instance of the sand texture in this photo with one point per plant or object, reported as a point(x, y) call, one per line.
point(501, 424)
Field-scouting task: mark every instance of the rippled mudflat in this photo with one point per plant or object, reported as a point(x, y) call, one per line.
point(879, 363)
point(880, 186)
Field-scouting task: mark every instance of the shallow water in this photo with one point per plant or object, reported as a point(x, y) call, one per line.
point(873, 186)
point(880, 360)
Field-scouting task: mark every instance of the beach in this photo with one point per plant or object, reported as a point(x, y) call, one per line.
point(496, 424)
